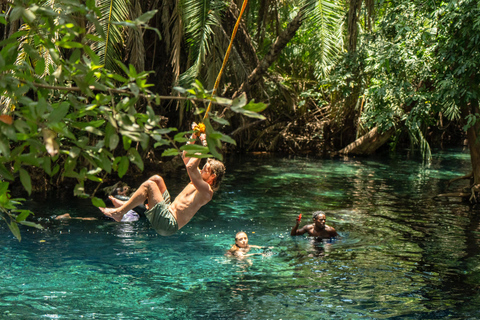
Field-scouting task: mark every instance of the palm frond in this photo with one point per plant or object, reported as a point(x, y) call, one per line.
point(113, 47)
point(176, 41)
point(325, 17)
point(199, 17)
point(135, 45)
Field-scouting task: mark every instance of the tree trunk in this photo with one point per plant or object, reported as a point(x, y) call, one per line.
point(473, 142)
point(368, 143)
point(349, 115)
point(353, 17)
point(273, 54)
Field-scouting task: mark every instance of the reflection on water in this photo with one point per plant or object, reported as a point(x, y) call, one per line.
point(400, 254)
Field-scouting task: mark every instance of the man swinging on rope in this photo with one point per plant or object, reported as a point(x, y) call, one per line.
point(165, 216)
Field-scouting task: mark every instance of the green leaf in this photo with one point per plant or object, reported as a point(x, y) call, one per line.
point(47, 165)
point(59, 112)
point(4, 173)
point(16, 14)
point(255, 107)
point(135, 158)
point(4, 149)
point(74, 152)
point(144, 18)
point(94, 130)
point(94, 178)
point(123, 166)
point(180, 137)
point(26, 180)
point(221, 121)
point(3, 188)
point(93, 56)
point(31, 224)
point(165, 130)
point(198, 155)
point(113, 141)
point(79, 190)
point(28, 15)
point(194, 148)
point(240, 101)
point(69, 44)
point(40, 67)
point(170, 152)
point(238, 107)
point(97, 202)
point(106, 163)
point(15, 230)
point(228, 139)
point(180, 89)
point(23, 215)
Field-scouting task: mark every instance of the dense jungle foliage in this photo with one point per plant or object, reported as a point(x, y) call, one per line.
point(97, 90)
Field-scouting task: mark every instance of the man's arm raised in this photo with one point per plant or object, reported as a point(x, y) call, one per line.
point(192, 140)
point(196, 177)
point(295, 231)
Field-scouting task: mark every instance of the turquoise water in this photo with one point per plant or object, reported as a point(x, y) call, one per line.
point(401, 255)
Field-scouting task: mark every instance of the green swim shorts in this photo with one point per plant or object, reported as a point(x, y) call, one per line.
point(161, 218)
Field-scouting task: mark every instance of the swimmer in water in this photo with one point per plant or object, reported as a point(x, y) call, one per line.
point(317, 229)
point(241, 247)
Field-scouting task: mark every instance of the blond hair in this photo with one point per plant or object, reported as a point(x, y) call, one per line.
point(218, 168)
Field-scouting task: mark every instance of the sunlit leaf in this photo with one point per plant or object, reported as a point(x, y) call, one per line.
point(31, 224)
point(170, 152)
point(135, 158)
point(23, 215)
point(50, 144)
point(97, 202)
point(144, 18)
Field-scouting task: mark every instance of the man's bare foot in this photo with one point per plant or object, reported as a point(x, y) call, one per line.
point(116, 202)
point(112, 213)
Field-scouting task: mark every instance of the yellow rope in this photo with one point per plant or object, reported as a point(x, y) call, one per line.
point(227, 54)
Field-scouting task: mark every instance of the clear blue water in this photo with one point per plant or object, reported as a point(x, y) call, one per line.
point(401, 255)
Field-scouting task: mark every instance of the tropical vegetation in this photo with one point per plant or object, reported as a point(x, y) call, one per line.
point(91, 87)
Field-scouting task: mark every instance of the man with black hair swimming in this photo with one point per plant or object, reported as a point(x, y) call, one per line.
point(317, 229)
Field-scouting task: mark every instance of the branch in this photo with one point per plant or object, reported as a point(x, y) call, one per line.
point(93, 88)
point(273, 54)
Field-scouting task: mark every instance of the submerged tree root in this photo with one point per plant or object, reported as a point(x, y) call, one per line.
point(470, 196)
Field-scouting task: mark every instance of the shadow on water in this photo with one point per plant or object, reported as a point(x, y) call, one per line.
point(400, 255)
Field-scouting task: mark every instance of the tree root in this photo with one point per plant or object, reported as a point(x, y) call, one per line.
point(470, 193)
point(471, 196)
point(453, 195)
point(467, 176)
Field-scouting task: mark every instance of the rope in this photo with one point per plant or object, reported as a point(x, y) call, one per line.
point(227, 54)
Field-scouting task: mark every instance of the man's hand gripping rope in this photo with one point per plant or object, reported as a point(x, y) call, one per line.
point(199, 131)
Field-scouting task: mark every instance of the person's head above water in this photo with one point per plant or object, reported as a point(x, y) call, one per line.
point(319, 219)
point(317, 213)
point(241, 239)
